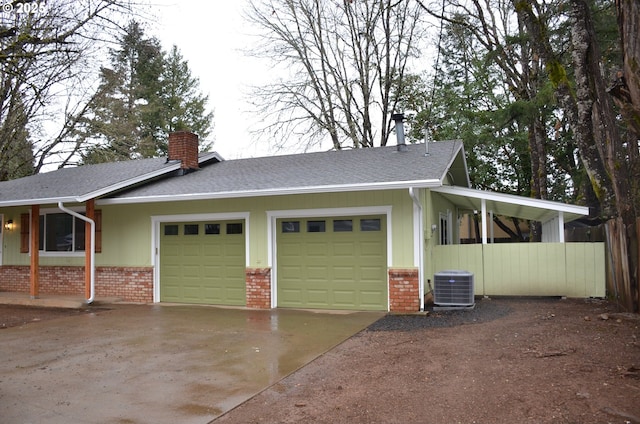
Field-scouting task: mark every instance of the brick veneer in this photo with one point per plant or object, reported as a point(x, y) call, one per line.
point(131, 284)
point(258, 282)
point(404, 291)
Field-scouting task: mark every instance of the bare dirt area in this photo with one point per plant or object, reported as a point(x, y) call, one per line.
point(17, 315)
point(506, 361)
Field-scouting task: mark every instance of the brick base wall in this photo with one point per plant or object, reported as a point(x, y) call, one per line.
point(131, 284)
point(258, 288)
point(404, 290)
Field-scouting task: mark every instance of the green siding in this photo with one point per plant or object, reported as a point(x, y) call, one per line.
point(133, 222)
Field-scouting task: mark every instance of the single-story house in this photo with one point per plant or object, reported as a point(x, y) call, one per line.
point(359, 229)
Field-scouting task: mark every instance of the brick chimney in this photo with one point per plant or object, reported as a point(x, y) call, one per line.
point(183, 146)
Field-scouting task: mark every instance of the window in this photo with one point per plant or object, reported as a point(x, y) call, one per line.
point(61, 232)
point(342, 225)
point(290, 226)
point(370, 224)
point(212, 229)
point(170, 230)
point(316, 227)
point(234, 228)
point(191, 229)
point(446, 236)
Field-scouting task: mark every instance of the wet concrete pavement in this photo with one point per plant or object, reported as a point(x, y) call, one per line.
point(157, 363)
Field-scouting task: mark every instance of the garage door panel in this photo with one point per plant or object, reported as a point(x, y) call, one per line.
point(236, 295)
point(210, 250)
point(191, 250)
point(292, 296)
point(316, 249)
point(316, 297)
point(213, 293)
point(373, 250)
point(317, 273)
point(344, 272)
point(344, 297)
point(370, 273)
point(345, 249)
point(332, 269)
point(372, 299)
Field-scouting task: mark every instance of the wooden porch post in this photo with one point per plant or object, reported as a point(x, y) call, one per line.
point(90, 213)
point(34, 249)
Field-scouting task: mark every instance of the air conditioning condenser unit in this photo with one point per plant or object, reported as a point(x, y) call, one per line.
point(453, 288)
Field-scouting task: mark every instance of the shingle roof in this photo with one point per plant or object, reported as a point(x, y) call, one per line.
point(321, 171)
point(82, 183)
point(382, 167)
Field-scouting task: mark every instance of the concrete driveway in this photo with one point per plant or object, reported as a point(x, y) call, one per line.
point(157, 363)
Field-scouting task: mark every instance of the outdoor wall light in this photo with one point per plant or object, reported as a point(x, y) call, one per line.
point(434, 227)
point(9, 225)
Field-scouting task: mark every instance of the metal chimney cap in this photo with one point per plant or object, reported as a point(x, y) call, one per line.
point(397, 117)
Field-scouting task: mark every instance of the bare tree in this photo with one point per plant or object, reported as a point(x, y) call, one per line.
point(342, 68)
point(46, 49)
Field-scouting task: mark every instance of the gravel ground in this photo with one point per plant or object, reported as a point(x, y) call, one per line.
point(483, 311)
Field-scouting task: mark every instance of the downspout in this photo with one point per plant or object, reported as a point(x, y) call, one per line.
point(92, 247)
point(418, 206)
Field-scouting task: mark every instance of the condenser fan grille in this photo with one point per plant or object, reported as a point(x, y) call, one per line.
point(453, 288)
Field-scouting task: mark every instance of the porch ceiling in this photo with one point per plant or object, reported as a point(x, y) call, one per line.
point(510, 205)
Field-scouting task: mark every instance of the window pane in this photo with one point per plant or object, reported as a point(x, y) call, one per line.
point(59, 236)
point(41, 234)
point(212, 228)
point(290, 226)
point(171, 230)
point(340, 225)
point(79, 235)
point(191, 229)
point(234, 228)
point(370, 225)
point(316, 227)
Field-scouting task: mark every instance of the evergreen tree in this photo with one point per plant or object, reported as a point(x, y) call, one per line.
point(145, 94)
point(183, 106)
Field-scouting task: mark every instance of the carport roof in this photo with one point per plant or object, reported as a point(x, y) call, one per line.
point(331, 171)
point(510, 205)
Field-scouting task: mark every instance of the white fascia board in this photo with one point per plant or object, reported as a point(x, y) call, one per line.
point(460, 151)
point(42, 201)
point(272, 192)
point(513, 199)
point(127, 183)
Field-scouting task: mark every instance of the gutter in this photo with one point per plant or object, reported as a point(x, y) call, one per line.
point(420, 247)
point(92, 247)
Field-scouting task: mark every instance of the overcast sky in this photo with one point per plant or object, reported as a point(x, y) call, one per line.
point(209, 35)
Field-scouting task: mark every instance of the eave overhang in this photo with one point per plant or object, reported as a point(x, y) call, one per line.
point(271, 192)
